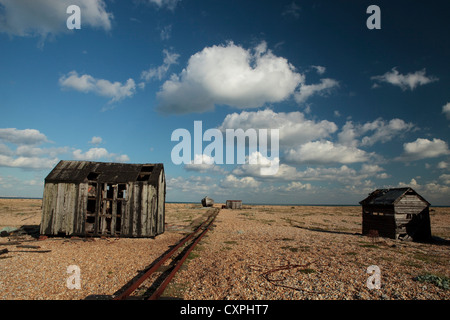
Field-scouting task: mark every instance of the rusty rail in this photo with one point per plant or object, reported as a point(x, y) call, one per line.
point(206, 225)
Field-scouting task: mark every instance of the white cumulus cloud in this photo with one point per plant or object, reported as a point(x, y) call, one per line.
point(298, 186)
point(321, 152)
point(232, 182)
point(446, 110)
point(98, 153)
point(241, 78)
point(229, 75)
point(26, 154)
point(294, 128)
point(48, 17)
point(424, 148)
point(409, 81)
point(27, 162)
point(24, 136)
point(372, 132)
point(96, 140)
point(160, 72)
point(306, 91)
point(203, 163)
point(86, 83)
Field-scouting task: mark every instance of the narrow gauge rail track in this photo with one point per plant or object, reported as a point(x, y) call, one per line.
point(183, 249)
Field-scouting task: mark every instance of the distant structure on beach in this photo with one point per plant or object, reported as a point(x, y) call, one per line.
point(104, 199)
point(397, 213)
point(233, 204)
point(207, 202)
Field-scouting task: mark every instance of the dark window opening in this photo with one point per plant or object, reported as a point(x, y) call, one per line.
point(109, 191)
point(91, 206)
point(93, 175)
point(145, 172)
point(122, 191)
point(147, 168)
point(143, 177)
point(118, 217)
point(91, 209)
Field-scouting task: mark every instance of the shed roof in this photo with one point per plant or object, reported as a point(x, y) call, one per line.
point(389, 196)
point(106, 172)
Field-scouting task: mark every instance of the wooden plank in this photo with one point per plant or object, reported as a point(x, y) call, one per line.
point(153, 213)
point(114, 211)
point(142, 216)
point(160, 194)
point(62, 221)
point(125, 209)
point(102, 217)
point(136, 209)
point(409, 209)
point(70, 207)
point(125, 229)
point(48, 208)
point(161, 203)
point(81, 207)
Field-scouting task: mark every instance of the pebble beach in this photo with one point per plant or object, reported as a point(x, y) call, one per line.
point(255, 253)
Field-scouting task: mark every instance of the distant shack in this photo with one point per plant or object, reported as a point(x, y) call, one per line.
point(207, 202)
point(397, 213)
point(233, 204)
point(86, 198)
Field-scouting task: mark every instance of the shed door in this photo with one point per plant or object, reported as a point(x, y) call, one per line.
point(92, 209)
point(113, 203)
point(105, 206)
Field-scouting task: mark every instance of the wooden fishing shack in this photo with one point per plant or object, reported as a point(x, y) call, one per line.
point(86, 198)
point(397, 213)
point(233, 204)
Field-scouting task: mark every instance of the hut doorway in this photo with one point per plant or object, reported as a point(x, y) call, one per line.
point(92, 209)
point(105, 205)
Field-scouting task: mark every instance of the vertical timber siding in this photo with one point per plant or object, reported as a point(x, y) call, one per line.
point(161, 204)
point(141, 203)
point(398, 213)
point(58, 208)
point(48, 207)
point(80, 209)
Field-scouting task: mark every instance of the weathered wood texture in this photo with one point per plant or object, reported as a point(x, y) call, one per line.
point(396, 213)
point(104, 208)
point(234, 204)
point(385, 225)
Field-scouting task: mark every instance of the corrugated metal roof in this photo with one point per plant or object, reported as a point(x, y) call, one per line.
point(388, 196)
point(106, 172)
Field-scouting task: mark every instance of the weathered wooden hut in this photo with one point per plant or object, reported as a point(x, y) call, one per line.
point(233, 204)
point(104, 199)
point(397, 213)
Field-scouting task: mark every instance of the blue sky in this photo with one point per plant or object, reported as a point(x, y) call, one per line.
point(357, 109)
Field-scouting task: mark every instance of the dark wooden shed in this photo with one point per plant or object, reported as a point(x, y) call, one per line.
point(104, 199)
point(397, 213)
